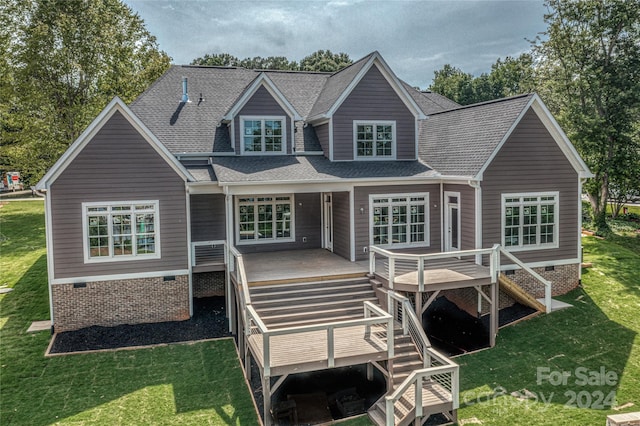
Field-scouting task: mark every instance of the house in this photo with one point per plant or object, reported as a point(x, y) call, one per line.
point(166, 199)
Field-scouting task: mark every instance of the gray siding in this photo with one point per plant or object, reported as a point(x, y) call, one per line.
point(117, 165)
point(467, 205)
point(322, 131)
point(207, 217)
point(341, 224)
point(362, 220)
point(262, 104)
point(530, 161)
point(307, 222)
point(373, 99)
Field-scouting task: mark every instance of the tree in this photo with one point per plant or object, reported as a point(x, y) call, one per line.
point(269, 63)
point(325, 61)
point(510, 77)
point(69, 59)
point(217, 59)
point(590, 70)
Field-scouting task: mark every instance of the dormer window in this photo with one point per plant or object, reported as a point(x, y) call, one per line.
point(374, 140)
point(263, 135)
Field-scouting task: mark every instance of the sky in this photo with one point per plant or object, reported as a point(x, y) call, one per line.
point(414, 37)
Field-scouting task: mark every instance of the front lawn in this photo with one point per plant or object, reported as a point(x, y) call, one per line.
point(178, 384)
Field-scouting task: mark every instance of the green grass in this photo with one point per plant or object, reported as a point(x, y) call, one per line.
point(195, 384)
point(202, 383)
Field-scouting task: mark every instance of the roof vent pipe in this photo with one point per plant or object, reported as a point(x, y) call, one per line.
point(185, 94)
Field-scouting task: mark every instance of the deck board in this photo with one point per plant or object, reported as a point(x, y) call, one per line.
point(443, 274)
point(307, 351)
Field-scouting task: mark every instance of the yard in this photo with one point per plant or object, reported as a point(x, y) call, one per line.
point(566, 368)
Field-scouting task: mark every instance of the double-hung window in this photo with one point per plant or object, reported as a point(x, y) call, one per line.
point(530, 220)
point(374, 140)
point(399, 220)
point(115, 231)
point(264, 219)
point(263, 135)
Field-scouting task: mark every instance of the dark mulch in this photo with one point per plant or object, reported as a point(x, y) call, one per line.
point(454, 332)
point(208, 322)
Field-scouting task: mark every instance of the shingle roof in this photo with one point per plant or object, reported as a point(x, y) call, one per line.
point(460, 141)
point(311, 168)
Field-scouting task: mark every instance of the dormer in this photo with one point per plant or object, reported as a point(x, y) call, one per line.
point(262, 120)
point(364, 113)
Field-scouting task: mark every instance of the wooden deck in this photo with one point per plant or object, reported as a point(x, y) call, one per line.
point(435, 399)
point(283, 267)
point(445, 274)
point(307, 351)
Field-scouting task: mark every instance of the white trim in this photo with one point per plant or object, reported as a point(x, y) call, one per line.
point(48, 220)
point(262, 119)
point(352, 222)
point(263, 81)
point(579, 230)
point(478, 216)
point(375, 123)
point(542, 264)
point(331, 139)
point(377, 60)
point(232, 132)
point(116, 105)
point(113, 258)
point(189, 252)
point(447, 245)
point(119, 277)
point(554, 130)
point(556, 223)
point(427, 220)
point(274, 239)
point(205, 188)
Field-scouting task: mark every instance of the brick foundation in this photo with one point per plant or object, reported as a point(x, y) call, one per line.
point(208, 284)
point(564, 278)
point(110, 303)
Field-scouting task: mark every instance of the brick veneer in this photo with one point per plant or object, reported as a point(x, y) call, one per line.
point(208, 284)
point(564, 278)
point(109, 303)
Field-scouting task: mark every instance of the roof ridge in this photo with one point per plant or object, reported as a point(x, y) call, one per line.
point(493, 101)
point(354, 63)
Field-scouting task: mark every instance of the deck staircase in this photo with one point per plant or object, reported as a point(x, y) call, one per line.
point(307, 303)
point(519, 294)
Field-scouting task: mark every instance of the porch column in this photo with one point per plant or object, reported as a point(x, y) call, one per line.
point(495, 300)
point(228, 203)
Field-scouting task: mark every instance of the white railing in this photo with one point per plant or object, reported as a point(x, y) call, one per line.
point(400, 308)
point(446, 375)
point(395, 264)
point(237, 271)
point(373, 316)
point(437, 367)
point(534, 274)
point(208, 252)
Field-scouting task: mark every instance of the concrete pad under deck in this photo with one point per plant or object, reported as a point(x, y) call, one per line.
point(39, 326)
point(299, 266)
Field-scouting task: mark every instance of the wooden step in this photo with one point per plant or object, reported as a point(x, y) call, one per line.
point(309, 291)
point(293, 287)
point(311, 321)
point(311, 300)
point(519, 294)
point(307, 307)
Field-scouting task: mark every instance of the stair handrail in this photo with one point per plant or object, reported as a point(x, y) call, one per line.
point(417, 378)
point(534, 274)
point(237, 266)
point(373, 316)
point(410, 324)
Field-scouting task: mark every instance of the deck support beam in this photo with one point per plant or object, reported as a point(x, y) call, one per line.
point(494, 313)
point(266, 399)
point(429, 301)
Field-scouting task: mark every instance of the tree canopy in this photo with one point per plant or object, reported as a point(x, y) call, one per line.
point(62, 62)
point(322, 60)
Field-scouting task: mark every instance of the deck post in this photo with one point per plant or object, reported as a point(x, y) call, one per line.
point(372, 262)
point(494, 313)
point(420, 274)
point(392, 271)
point(330, 347)
point(418, 400)
point(369, 372)
point(418, 301)
point(266, 398)
point(247, 362)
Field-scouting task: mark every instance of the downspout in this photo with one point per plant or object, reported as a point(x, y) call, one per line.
point(189, 247)
point(581, 182)
point(228, 203)
point(442, 213)
point(49, 247)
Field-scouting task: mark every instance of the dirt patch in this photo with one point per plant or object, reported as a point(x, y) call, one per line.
point(209, 321)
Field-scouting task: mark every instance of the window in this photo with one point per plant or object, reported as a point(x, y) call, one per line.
point(264, 219)
point(116, 231)
point(374, 140)
point(399, 220)
point(263, 135)
point(530, 221)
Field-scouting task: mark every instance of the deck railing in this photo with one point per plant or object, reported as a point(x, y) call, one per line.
point(445, 375)
point(208, 252)
point(534, 274)
point(402, 311)
point(395, 264)
point(373, 316)
point(237, 271)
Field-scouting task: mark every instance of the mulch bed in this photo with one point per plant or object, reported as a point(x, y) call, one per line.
point(208, 322)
